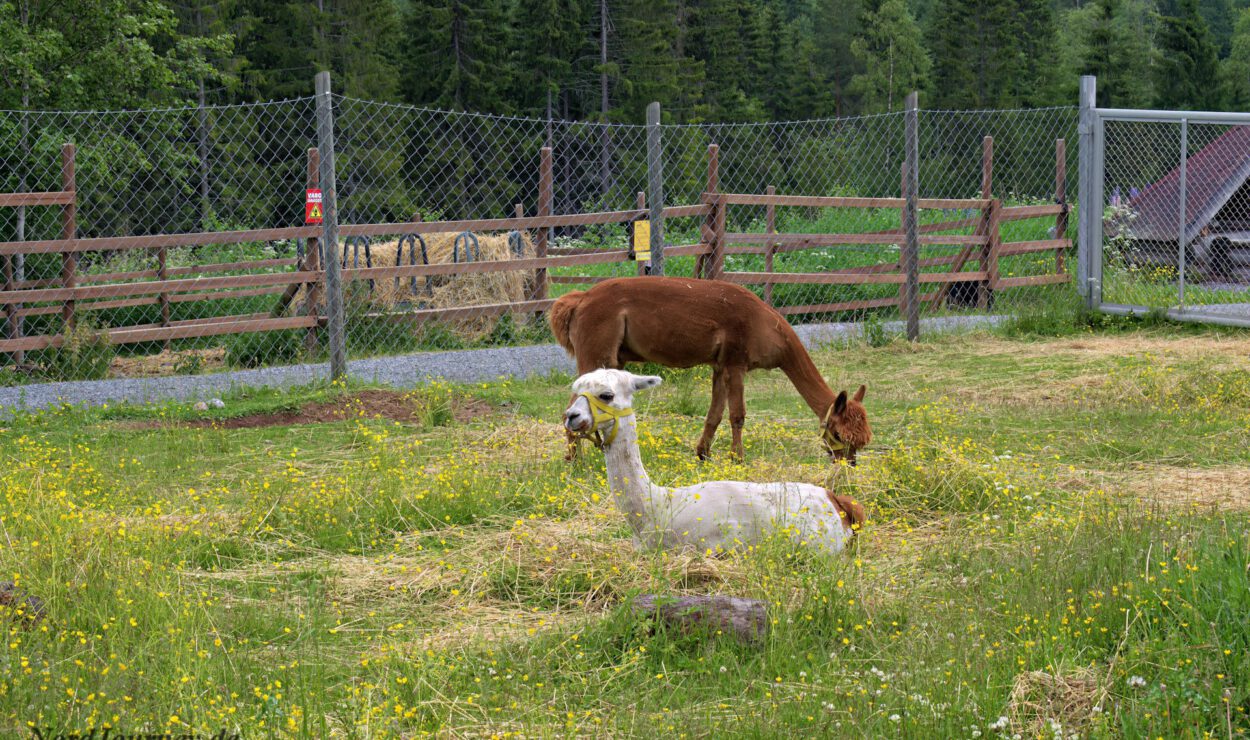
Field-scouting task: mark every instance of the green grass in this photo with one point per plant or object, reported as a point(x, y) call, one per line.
point(1048, 519)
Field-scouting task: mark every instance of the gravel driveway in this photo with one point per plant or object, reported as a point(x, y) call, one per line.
point(403, 371)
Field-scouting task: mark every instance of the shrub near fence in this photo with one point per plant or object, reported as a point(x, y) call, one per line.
point(825, 240)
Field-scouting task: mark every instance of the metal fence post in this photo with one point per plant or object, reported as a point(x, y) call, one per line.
point(1087, 210)
point(1184, 213)
point(910, 257)
point(655, 188)
point(330, 229)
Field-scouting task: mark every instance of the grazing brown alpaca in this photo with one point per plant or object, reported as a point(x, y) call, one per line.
point(680, 322)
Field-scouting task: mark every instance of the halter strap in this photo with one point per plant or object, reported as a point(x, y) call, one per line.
point(832, 443)
point(601, 412)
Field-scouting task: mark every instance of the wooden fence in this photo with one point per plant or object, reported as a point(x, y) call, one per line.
point(75, 292)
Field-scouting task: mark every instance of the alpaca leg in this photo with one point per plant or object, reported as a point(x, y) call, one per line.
point(734, 378)
point(714, 414)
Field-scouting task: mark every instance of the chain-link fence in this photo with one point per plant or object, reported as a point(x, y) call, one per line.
point(1176, 219)
point(190, 248)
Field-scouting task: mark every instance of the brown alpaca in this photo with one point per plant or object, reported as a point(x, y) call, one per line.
point(679, 322)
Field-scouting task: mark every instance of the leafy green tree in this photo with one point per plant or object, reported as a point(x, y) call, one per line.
point(1187, 68)
point(1235, 70)
point(890, 49)
point(97, 54)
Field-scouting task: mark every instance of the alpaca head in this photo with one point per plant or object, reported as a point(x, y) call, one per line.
point(846, 426)
point(603, 396)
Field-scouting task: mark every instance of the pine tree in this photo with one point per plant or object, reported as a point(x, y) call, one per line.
point(454, 55)
point(890, 49)
point(1113, 36)
point(838, 23)
point(721, 40)
point(1187, 71)
point(544, 53)
point(976, 53)
point(1038, 82)
point(801, 88)
point(1220, 16)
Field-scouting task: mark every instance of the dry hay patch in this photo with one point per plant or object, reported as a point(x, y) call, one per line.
point(444, 291)
point(169, 362)
point(1221, 488)
point(1039, 701)
point(401, 406)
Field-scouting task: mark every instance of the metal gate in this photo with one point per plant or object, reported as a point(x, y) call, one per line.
point(1165, 212)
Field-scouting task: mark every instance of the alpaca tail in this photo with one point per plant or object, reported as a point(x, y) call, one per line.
point(560, 317)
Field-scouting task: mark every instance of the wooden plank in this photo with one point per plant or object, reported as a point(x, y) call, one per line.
point(715, 266)
point(468, 312)
point(819, 278)
point(580, 279)
point(155, 241)
point(982, 223)
point(686, 250)
point(178, 330)
point(226, 295)
point(1018, 282)
point(90, 306)
point(206, 267)
point(53, 198)
point(807, 201)
point(955, 239)
point(1040, 245)
point(1061, 197)
point(813, 201)
point(1020, 213)
point(506, 224)
point(844, 306)
point(155, 287)
point(808, 240)
point(465, 268)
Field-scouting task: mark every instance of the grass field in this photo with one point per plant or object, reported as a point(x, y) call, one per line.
point(1057, 544)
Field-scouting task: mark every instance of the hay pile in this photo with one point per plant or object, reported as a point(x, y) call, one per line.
point(444, 291)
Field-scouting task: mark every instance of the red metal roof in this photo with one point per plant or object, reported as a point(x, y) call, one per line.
point(1211, 177)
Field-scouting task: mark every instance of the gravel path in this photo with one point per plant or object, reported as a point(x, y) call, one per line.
point(463, 366)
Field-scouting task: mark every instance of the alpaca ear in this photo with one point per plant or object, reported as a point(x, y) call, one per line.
point(643, 382)
point(840, 404)
point(859, 394)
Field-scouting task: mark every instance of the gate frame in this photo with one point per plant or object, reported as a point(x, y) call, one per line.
point(1092, 174)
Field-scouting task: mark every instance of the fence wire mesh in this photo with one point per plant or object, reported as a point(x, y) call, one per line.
point(1176, 221)
point(242, 169)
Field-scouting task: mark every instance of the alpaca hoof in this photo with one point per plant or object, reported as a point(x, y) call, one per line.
point(702, 453)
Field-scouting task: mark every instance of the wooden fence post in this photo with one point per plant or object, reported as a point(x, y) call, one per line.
point(910, 257)
point(708, 231)
point(1061, 197)
point(69, 212)
point(715, 267)
point(545, 196)
point(312, 260)
point(770, 249)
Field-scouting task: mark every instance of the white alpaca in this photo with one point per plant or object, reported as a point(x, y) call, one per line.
point(706, 516)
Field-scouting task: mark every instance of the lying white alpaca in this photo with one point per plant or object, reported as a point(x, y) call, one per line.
point(707, 516)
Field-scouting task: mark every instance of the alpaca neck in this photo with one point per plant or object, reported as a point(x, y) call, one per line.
point(807, 380)
point(627, 479)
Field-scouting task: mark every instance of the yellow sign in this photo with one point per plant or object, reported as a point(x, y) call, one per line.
point(642, 241)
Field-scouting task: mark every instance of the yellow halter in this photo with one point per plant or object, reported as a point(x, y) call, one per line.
point(827, 435)
point(599, 413)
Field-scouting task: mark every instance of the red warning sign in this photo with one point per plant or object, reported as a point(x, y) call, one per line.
point(312, 206)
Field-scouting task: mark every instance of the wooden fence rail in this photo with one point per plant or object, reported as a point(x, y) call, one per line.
point(165, 286)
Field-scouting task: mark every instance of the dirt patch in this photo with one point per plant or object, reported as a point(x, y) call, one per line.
point(162, 364)
point(1225, 488)
point(1057, 704)
point(405, 407)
